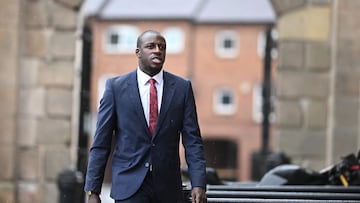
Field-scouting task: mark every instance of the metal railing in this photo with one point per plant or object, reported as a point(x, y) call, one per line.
point(280, 194)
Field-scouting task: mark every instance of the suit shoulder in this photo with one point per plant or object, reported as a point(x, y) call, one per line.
point(121, 78)
point(176, 78)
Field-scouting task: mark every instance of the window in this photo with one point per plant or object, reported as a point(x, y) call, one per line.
point(114, 39)
point(262, 43)
point(121, 39)
point(226, 44)
point(222, 155)
point(174, 39)
point(224, 102)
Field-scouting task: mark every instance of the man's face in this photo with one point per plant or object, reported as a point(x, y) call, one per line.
point(151, 53)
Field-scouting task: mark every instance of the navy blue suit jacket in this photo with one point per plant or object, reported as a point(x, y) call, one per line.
point(121, 112)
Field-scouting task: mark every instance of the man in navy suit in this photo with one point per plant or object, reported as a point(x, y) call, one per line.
point(145, 165)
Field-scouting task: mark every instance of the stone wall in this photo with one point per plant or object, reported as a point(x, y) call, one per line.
point(38, 101)
point(318, 80)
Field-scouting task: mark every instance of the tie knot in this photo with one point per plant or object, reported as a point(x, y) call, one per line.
point(152, 81)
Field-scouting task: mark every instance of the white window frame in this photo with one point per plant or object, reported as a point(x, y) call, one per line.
point(126, 43)
point(175, 40)
point(219, 107)
point(261, 43)
point(220, 38)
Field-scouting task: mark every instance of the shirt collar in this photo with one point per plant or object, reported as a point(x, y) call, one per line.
point(144, 78)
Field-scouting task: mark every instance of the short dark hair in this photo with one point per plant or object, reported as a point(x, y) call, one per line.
point(139, 39)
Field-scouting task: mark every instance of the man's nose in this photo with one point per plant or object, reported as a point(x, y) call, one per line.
point(158, 48)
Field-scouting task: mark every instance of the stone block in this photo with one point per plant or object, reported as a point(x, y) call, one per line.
point(8, 48)
point(32, 101)
point(302, 144)
point(7, 130)
point(37, 14)
point(27, 131)
point(317, 56)
point(56, 160)
point(29, 71)
point(315, 114)
point(57, 73)
point(291, 55)
point(29, 163)
point(307, 23)
point(59, 102)
point(302, 84)
point(8, 95)
point(54, 131)
point(316, 85)
point(348, 20)
point(8, 72)
point(7, 192)
point(282, 6)
point(63, 17)
point(347, 83)
point(289, 114)
point(346, 112)
point(9, 13)
point(37, 43)
point(63, 45)
point(29, 192)
point(345, 142)
point(347, 57)
point(51, 191)
point(7, 160)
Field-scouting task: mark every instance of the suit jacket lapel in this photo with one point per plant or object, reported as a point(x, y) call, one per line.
point(134, 98)
point(168, 93)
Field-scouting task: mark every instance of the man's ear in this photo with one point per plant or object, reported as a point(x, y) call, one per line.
point(137, 51)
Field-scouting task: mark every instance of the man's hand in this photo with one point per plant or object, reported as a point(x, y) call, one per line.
point(94, 198)
point(198, 195)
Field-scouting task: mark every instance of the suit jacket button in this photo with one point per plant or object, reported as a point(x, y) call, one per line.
point(153, 144)
point(147, 165)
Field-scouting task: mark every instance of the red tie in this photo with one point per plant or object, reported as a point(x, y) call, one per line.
point(153, 113)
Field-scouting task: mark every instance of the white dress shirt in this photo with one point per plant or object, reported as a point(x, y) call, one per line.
point(144, 90)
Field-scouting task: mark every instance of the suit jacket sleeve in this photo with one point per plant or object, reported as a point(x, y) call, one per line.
point(101, 147)
point(192, 142)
